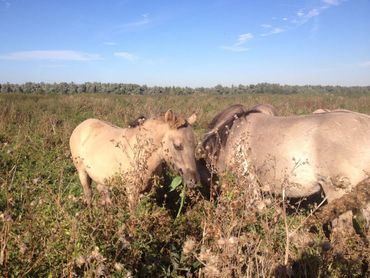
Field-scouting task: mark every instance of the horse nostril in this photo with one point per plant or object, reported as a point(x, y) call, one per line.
point(193, 183)
point(193, 180)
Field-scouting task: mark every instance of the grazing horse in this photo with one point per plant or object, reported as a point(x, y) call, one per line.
point(101, 151)
point(218, 124)
point(328, 151)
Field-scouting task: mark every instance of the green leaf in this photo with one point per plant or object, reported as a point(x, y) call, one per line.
point(175, 183)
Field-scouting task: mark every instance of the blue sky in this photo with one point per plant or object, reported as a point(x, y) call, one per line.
point(186, 43)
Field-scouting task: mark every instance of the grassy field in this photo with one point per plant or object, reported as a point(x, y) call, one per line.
point(47, 231)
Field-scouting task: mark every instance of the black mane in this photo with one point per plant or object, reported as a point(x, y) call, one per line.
point(226, 114)
point(221, 126)
point(137, 122)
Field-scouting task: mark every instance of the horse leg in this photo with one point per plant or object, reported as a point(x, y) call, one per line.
point(104, 195)
point(343, 223)
point(86, 185)
point(133, 197)
point(366, 214)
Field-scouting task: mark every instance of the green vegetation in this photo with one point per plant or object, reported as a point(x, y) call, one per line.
point(47, 231)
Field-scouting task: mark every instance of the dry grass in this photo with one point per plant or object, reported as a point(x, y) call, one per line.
point(45, 230)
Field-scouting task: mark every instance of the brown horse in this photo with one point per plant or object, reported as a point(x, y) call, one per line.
point(327, 151)
point(101, 151)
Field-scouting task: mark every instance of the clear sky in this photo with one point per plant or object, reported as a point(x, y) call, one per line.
point(186, 42)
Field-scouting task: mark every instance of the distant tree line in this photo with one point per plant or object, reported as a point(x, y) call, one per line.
point(134, 89)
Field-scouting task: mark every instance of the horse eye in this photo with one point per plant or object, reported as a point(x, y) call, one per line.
point(178, 147)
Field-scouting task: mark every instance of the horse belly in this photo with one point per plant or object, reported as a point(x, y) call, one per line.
point(103, 161)
point(344, 159)
point(287, 165)
point(298, 180)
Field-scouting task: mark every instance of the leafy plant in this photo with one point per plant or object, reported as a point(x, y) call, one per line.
point(175, 184)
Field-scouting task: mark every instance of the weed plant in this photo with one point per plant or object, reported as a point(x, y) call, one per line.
point(47, 231)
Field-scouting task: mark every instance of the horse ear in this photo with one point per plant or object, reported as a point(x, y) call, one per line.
point(192, 119)
point(169, 116)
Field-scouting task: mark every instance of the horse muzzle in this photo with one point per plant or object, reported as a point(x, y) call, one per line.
point(191, 178)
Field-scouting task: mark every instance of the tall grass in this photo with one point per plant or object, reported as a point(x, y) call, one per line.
point(46, 230)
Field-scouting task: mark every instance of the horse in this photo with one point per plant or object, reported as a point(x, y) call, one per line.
point(207, 176)
point(302, 155)
point(100, 151)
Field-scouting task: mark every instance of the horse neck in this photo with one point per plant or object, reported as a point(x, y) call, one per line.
point(231, 147)
point(152, 133)
point(220, 162)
